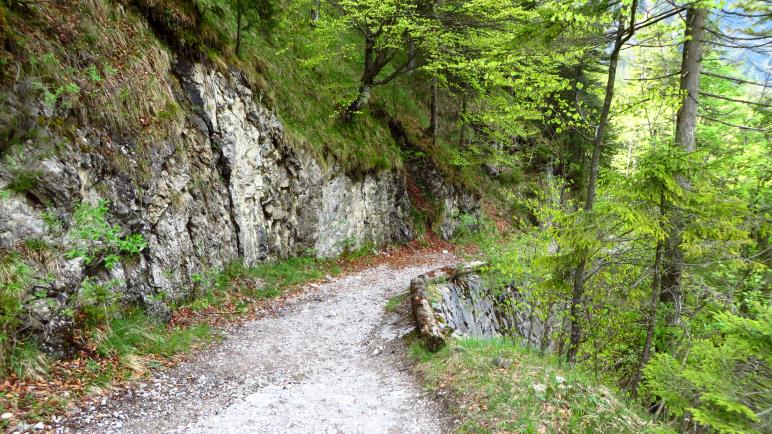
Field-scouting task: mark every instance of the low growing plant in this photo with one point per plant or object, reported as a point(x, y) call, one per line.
point(96, 239)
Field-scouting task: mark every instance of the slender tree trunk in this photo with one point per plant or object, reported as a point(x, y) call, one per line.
point(363, 97)
point(530, 326)
point(238, 29)
point(577, 293)
point(411, 54)
point(686, 125)
point(544, 341)
point(433, 123)
point(651, 321)
point(462, 132)
point(315, 12)
point(365, 84)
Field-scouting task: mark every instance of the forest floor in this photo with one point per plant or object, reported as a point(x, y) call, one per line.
point(328, 359)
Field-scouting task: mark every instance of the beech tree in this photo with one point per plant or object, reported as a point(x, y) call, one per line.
point(387, 28)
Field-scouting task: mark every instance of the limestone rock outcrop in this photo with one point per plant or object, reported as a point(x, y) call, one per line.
point(458, 303)
point(225, 185)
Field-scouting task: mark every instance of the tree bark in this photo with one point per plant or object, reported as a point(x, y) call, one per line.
point(577, 293)
point(544, 340)
point(363, 96)
point(434, 122)
point(238, 29)
point(365, 84)
point(686, 125)
point(651, 321)
point(315, 12)
point(462, 132)
point(423, 314)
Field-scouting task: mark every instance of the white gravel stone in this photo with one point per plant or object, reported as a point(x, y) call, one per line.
point(308, 369)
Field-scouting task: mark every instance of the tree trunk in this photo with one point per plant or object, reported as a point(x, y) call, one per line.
point(365, 84)
point(651, 321)
point(686, 125)
point(577, 294)
point(238, 29)
point(530, 326)
point(462, 132)
point(434, 121)
point(363, 96)
point(545, 335)
point(315, 12)
point(423, 314)
point(433, 125)
point(411, 54)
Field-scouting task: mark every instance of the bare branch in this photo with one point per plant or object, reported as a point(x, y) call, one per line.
point(742, 127)
point(742, 101)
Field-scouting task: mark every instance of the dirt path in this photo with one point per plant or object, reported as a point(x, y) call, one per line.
point(329, 362)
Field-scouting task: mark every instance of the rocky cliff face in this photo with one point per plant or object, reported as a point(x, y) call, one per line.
point(225, 186)
point(282, 202)
point(458, 303)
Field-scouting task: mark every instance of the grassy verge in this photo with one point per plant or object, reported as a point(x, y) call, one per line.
point(498, 386)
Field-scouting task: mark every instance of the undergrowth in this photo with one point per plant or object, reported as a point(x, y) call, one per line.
point(136, 334)
point(501, 386)
point(88, 63)
point(267, 280)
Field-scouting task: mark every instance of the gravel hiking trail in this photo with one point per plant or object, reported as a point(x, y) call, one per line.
point(328, 361)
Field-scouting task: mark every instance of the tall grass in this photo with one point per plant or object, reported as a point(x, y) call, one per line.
point(501, 386)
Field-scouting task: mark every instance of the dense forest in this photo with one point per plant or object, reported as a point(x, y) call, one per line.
point(621, 151)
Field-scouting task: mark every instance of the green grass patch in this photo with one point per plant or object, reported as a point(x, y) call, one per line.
point(396, 301)
point(292, 272)
point(497, 385)
point(27, 361)
point(267, 280)
point(137, 334)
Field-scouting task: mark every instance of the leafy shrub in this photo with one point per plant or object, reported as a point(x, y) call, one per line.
point(98, 301)
point(99, 240)
point(725, 380)
point(22, 178)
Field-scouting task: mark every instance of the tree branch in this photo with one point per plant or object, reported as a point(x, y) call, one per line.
point(742, 101)
point(742, 127)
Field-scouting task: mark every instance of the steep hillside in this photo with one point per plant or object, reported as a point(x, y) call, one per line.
point(139, 153)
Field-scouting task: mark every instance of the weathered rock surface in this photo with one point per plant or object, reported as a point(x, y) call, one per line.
point(457, 303)
point(453, 201)
point(225, 186)
point(283, 202)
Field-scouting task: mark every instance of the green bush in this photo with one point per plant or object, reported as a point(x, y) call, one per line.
point(725, 380)
point(98, 301)
point(96, 239)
